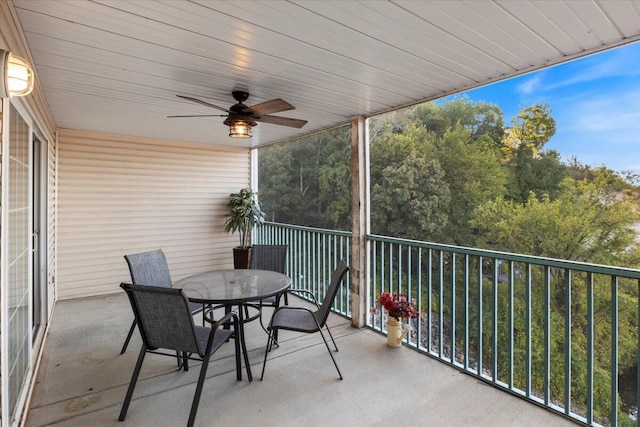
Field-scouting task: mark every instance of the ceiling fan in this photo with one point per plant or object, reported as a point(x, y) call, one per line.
point(241, 118)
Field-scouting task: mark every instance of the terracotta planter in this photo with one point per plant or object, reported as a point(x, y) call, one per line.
point(241, 258)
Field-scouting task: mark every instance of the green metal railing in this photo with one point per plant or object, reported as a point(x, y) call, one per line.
point(522, 323)
point(546, 330)
point(313, 256)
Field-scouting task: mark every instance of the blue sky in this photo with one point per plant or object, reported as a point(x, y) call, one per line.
point(595, 102)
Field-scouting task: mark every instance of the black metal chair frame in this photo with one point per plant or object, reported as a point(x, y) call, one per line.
point(319, 316)
point(217, 335)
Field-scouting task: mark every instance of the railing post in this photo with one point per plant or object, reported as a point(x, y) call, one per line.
point(359, 215)
point(614, 351)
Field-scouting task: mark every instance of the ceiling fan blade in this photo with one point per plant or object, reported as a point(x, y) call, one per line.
point(273, 106)
point(199, 115)
point(282, 121)
point(199, 101)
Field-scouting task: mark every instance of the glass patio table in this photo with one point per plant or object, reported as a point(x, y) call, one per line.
point(229, 288)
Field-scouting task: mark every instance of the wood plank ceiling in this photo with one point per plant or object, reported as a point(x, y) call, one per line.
point(116, 66)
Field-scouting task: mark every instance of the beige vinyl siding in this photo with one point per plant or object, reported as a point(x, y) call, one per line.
point(120, 195)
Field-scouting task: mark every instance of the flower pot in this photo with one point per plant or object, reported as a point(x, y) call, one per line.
point(396, 332)
point(241, 258)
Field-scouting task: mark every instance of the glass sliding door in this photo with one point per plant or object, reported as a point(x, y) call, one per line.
point(16, 262)
point(39, 238)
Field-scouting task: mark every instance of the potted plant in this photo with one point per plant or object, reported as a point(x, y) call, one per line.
point(398, 307)
point(243, 214)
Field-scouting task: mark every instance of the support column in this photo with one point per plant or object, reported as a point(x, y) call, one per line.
point(359, 221)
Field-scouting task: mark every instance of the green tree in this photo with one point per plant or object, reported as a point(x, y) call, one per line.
point(462, 138)
point(532, 127)
point(431, 117)
point(542, 174)
point(587, 223)
point(411, 199)
point(481, 119)
point(474, 176)
point(625, 181)
point(400, 170)
point(307, 181)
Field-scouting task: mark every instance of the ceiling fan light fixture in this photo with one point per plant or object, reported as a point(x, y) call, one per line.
point(240, 129)
point(16, 76)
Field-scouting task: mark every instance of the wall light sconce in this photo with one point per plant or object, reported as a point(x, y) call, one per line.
point(16, 76)
point(240, 127)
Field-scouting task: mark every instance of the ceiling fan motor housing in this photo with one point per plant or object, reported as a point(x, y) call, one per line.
point(240, 95)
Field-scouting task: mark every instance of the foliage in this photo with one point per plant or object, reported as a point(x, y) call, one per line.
point(416, 187)
point(407, 179)
point(473, 174)
point(243, 214)
point(307, 181)
point(437, 176)
point(541, 174)
point(480, 119)
point(532, 127)
point(586, 223)
point(623, 181)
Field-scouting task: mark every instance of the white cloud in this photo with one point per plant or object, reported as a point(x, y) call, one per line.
point(530, 85)
point(617, 63)
point(604, 112)
point(601, 126)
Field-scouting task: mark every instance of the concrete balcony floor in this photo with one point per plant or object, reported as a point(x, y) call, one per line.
point(82, 381)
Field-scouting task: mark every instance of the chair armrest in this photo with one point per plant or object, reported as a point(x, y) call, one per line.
point(305, 291)
point(288, 307)
point(230, 317)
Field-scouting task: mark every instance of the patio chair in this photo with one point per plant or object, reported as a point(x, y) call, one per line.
point(151, 268)
point(269, 257)
point(164, 318)
point(272, 258)
point(302, 319)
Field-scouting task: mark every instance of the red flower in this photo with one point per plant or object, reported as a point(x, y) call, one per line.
point(398, 305)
